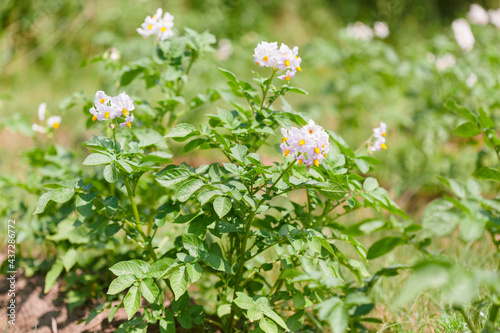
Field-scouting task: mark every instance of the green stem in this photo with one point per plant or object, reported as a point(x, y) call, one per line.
point(466, 318)
point(137, 218)
point(267, 89)
point(363, 144)
point(243, 247)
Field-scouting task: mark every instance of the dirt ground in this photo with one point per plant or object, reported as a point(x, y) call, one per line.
point(48, 311)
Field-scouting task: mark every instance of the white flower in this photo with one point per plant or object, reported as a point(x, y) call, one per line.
point(225, 49)
point(463, 34)
point(101, 99)
point(148, 28)
point(158, 25)
point(381, 29)
point(471, 80)
point(114, 54)
point(54, 121)
point(445, 62)
point(378, 144)
point(309, 145)
point(39, 129)
point(477, 15)
point(359, 31)
point(41, 111)
point(121, 104)
point(495, 17)
point(127, 121)
point(380, 132)
point(286, 59)
point(265, 54)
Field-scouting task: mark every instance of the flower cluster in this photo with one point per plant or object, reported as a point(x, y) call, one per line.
point(52, 122)
point(379, 134)
point(309, 145)
point(286, 59)
point(159, 24)
point(361, 31)
point(106, 107)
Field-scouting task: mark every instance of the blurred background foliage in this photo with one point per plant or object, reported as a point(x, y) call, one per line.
point(353, 85)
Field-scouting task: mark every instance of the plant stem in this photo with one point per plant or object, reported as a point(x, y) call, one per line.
point(363, 144)
point(137, 218)
point(243, 247)
point(467, 320)
point(267, 89)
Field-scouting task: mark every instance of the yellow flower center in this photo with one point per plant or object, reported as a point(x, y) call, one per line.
point(150, 27)
point(302, 142)
point(94, 118)
point(102, 100)
point(316, 150)
point(384, 134)
point(55, 125)
point(300, 162)
point(383, 146)
point(284, 139)
point(287, 63)
point(310, 131)
point(106, 115)
point(265, 58)
point(129, 124)
point(323, 146)
point(125, 112)
point(257, 64)
point(163, 29)
point(324, 155)
point(296, 57)
point(316, 162)
point(299, 69)
point(287, 152)
point(287, 78)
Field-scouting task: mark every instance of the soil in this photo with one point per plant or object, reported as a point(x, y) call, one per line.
point(48, 311)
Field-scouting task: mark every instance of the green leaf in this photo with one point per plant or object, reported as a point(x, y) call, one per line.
point(485, 173)
point(206, 196)
point(84, 203)
point(173, 176)
point(462, 111)
point(254, 313)
point(97, 159)
point(193, 244)
point(362, 165)
point(243, 301)
point(187, 189)
point(52, 275)
point(268, 326)
point(125, 166)
point(121, 283)
point(230, 76)
point(333, 190)
point(69, 259)
point(110, 173)
point(149, 290)
point(127, 267)
point(193, 144)
point(167, 324)
point(42, 203)
point(296, 321)
point(132, 301)
point(62, 195)
point(194, 271)
point(274, 316)
point(439, 219)
point(484, 120)
point(383, 246)
point(370, 184)
point(334, 311)
point(467, 130)
point(181, 131)
point(160, 267)
point(216, 262)
point(222, 206)
point(129, 75)
point(239, 153)
point(178, 282)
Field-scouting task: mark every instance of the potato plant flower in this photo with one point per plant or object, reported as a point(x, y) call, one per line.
point(379, 133)
point(309, 144)
point(107, 107)
point(159, 24)
point(268, 55)
point(52, 122)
